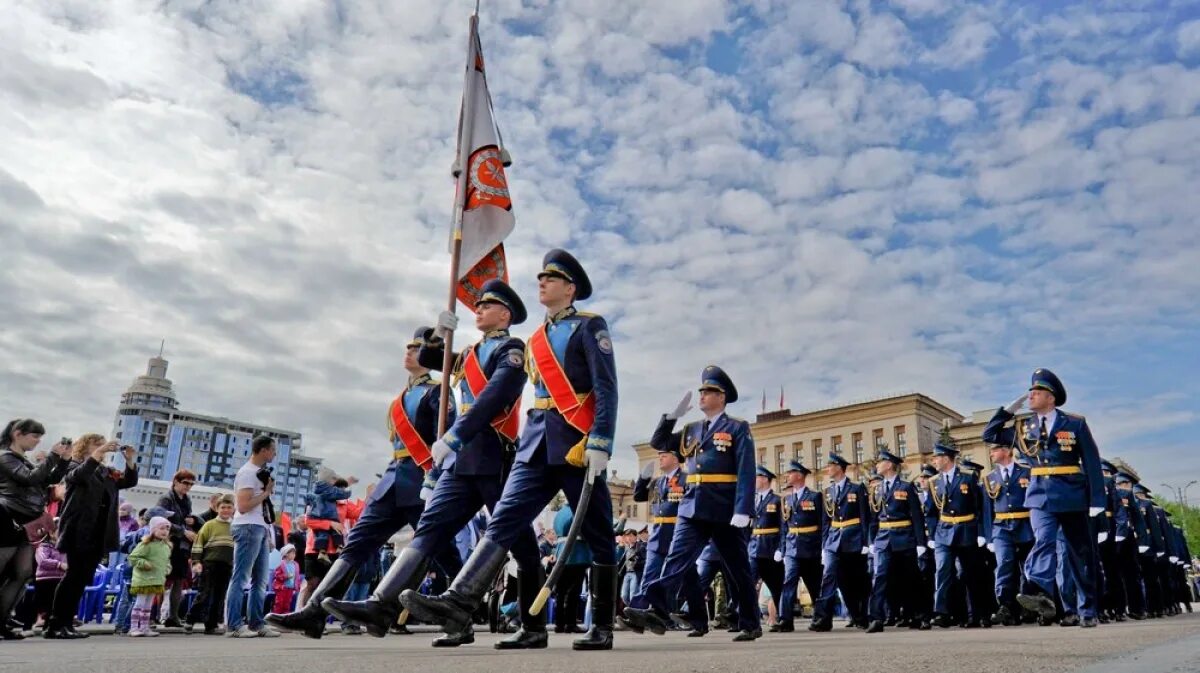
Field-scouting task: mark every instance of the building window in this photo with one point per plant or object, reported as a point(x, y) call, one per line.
point(857, 443)
point(762, 456)
point(879, 443)
point(836, 445)
point(818, 457)
point(901, 441)
point(780, 460)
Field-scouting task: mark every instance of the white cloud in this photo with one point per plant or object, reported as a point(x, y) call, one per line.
point(1188, 38)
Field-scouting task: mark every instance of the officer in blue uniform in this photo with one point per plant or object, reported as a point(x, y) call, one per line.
point(474, 457)
point(766, 554)
point(567, 441)
point(957, 539)
point(1167, 562)
point(898, 539)
point(1065, 490)
point(395, 502)
point(1150, 549)
point(1007, 528)
point(717, 506)
point(1181, 559)
point(1129, 529)
point(844, 548)
point(802, 522)
point(1110, 589)
point(926, 562)
point(665, 493)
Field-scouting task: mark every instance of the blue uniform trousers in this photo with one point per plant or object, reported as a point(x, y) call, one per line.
point(706, 573)
point(381, 519)
point(691, 590)
point(1010, 560)
point(532, 485)
point(846, 571)
point(794, 570)
point(455, 501)
point(1078, 558)
point(896, 581)
point(691, 536)
point(975, 585)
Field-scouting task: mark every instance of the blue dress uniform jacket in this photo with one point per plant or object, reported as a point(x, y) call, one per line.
point(664, 493)
point(720, 466)
point(960, 511)
point(1127, 517)
point(803, 521)
point(847, 516)
point(403, 478)
point(1005, 513)
point(899, 523)
point(583, 348)
point(479, 449)
point(766, 536)
point(1069, 444)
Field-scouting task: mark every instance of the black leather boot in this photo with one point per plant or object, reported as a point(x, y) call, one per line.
point(464, 636)
point(454, 608)
point(604, 610)
point(532, 634)
point(379, 612)
point(310, 620)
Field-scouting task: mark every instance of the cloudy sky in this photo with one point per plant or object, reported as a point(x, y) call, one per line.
point(846, 199)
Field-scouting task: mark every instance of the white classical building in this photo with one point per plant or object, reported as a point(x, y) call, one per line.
point(148, 491)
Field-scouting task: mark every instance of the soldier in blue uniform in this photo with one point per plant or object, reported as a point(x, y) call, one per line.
point(474, 457)
point(717, 505)
point(1110, 588)
point(1007, 528)
point(898, 539)
point(1066, 489)
point(1150, 549)
point(567, 441)
point(664, 494)
point(844, 548)
point(802, 512)
point(766, 536)
point(957, 539)
point(926, 562)
point(1179, 562)
point(396, 500)
point(1129, 529)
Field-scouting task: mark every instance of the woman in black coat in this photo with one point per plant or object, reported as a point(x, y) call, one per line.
point(23, 488)
point(87, 527)
point(183, 532)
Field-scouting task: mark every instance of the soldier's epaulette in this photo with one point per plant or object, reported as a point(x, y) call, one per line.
point(1071, 414)
point(735, 419)
point(587, 314)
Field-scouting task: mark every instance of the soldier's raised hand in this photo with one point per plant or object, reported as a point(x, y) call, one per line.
point(1016, 404)
point(682, 408)
point(648, 470)
point(446, 322)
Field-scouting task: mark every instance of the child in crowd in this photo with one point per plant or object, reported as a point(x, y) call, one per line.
point(151, 562)
point(323, 507)
point(51, 567)
point(212, 557)
point(286, 579)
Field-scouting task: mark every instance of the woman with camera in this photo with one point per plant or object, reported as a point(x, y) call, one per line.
point(23, 489)
point(87, 529)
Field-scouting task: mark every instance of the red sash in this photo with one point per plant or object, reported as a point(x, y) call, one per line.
point(581, 414)
point(508, 422)
point(403, 427)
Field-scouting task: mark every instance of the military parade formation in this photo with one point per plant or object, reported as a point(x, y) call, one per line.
point(1050, 534)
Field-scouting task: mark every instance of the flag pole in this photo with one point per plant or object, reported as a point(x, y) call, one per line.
point(466, 125)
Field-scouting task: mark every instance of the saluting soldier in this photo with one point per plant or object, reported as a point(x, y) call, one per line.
point(1129, 530)
point(845, 548)
point(802, 519)
point(665, 493)
point(717, 506)
point(475, 456)
point(1007, 528)
point(958, 538)
point(396, 501)
point(567, 441)
point(766, 555)
point(1065, 491)
point(898, 540)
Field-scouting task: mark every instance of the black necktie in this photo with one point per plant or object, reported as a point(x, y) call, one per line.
point(1042, 432)
point(704, 429)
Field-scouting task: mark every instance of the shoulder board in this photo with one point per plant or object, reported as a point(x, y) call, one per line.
point(735, 419)
point(1070, 414)
point(587, 315)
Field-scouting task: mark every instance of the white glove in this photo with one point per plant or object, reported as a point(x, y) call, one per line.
point(1095, 511)
point(440, 450)
point(1016, 404)
point(1102, 537)
point(1120, 538)
point(866, 550)
point(921, 550)
point(779, 557)
point(980, 541)
point(597, 463)
point(1143, 548)
point(426, 493)
point(1160, 554)
point(682, 408)
point(1173, 559)
point(740, 520)
point(446, 322)
point(991, 547)
point(648, 470)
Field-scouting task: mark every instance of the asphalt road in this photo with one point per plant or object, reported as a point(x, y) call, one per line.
point(1166, 645)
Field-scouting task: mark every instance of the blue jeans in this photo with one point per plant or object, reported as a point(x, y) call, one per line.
point(251, 556)
point(629, 586)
